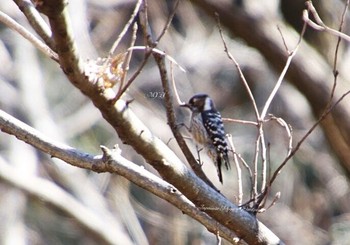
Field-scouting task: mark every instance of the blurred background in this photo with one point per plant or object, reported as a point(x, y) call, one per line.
point(314, 205)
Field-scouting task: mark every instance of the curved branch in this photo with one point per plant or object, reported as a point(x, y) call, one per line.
point(36, 21)
point(112, 162)
point(7, 20)
point(62, 34)
point(319, 24)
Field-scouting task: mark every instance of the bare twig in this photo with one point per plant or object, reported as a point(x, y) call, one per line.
point(123, 88)
point(179, 102)
point(335, 70)
point(319, 25)
point(255, 173)
point(7, 20)
point(245, 164)
point(261, 141)
point(296, 148)
point(134, 76)
point(239, 121)
point(273, 202)
point(168, 22)
point(128, 57)
point(148, 52)
point(284, 41)
point(157, 51)
point(245, 83)
point(126, 28)
point(287, 128)
point(238, 169)
point(291, 54)
point(36, 21)
point(172, 61)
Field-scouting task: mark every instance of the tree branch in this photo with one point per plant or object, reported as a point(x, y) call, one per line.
point(319, 24)
point(36, 21)
point(111, 161)
point(7, 20)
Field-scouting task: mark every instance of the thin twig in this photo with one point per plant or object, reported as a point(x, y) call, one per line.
point(133, 77)
point(36, 21)
point(127, 59)
point(335, 70)
point(239, 121)
point(284, 41)
point(263, 157)
point(7, 20)
point(128, 56)
point(291, 55)
point(245, 164)
point(230, 56)
point(296, 148)
point(148, 52)
point(255, 174)
point(179, 102)
point(157, 51)
point(170, 18)
point(126, 28)
point(319, 25)
point(238, 169)
point(287, 128)
point(273, 202)
point(260, 138)
point(172, 60)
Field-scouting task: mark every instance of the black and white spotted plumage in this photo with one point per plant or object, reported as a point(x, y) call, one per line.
point(208, 131)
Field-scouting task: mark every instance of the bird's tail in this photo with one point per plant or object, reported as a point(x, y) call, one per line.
point(227, 162)
point(220, 160)
point(218, 167)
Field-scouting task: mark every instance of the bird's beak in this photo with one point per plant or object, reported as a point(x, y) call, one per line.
point(185, 105)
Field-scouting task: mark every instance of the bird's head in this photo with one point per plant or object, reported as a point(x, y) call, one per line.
point(199, 103)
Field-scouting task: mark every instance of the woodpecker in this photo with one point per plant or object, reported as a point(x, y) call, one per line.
point(207, 130)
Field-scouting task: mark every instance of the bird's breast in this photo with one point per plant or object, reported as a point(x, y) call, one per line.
point(198, 131)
